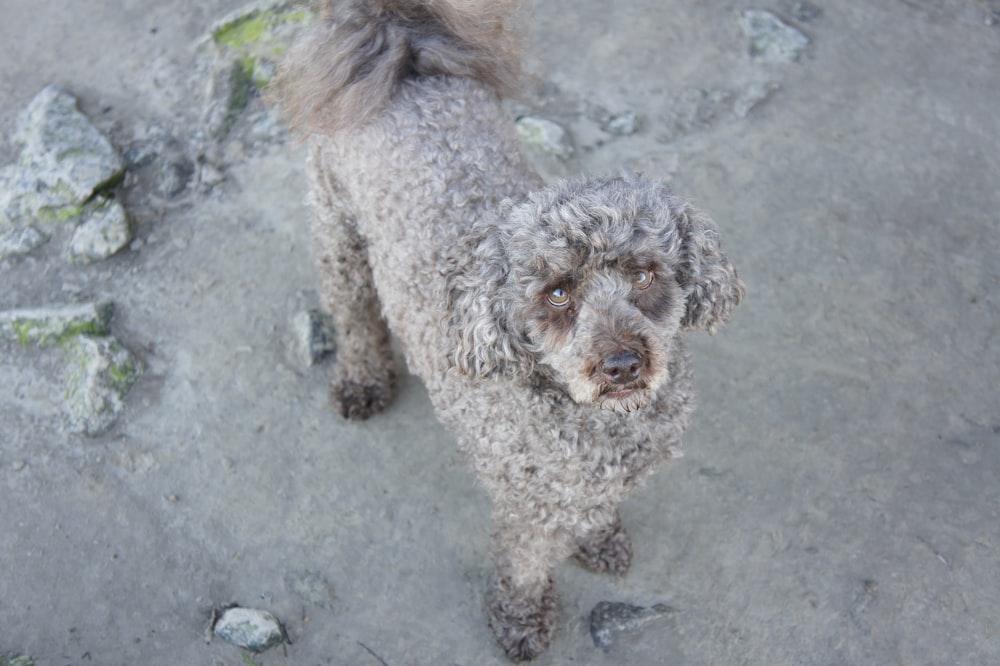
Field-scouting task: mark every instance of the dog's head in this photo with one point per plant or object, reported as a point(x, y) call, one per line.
point(589, 282)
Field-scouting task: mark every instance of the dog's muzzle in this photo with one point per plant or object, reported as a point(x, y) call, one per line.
point(622, 369)
point(623, 379)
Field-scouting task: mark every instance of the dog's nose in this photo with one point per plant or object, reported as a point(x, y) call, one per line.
point(622, 368)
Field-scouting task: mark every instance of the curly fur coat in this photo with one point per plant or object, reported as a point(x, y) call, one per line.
point(545, 321)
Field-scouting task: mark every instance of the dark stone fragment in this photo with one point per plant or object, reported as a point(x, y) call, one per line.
point(611, 618)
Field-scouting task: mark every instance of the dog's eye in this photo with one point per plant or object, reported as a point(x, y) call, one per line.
point(558, 297)
point(642, 279)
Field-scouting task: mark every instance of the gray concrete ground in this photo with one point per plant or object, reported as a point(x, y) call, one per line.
point(839, 502)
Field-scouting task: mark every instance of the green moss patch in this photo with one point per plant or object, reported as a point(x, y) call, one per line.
point(261, 26)
point(16, 660)
point(248, 29)
point(258, 37)
point(50, 326)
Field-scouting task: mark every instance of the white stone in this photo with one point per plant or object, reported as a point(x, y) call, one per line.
point(622, 124)
point(105, 230)
point(546, 135)
point(249, 629)
point(772, 39)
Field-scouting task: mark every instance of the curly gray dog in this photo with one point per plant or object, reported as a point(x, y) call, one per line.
point(545, 321)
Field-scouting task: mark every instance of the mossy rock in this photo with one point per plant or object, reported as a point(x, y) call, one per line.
point(104, 230)
point(48, 326)
point(16, 660)
point(101, 373)
point(64, 160)
point(260, 34)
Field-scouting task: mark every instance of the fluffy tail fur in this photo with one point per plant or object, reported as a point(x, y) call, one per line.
point(347, 66)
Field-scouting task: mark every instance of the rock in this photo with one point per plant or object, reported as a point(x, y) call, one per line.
point(210, 176)
point(250, 629)
point(64, 160)
point(314, 336)
point(26, 199)
point(261, 31)
point(622, 124)
point(546, 135)
point(234, 90)
point(250, 41)
point(20, 240)
point(46, 326)
point(105, 230)
point(11, 191)
point(161, 164)
point(16, 660)
point(608, 619)
point(100, 376)
point(806, 11)
point(692, 110)
point(175, 176)
point(771, 39)
point(753, 95)
point(100, 371)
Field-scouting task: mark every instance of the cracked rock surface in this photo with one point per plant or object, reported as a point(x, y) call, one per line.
point(64, 160)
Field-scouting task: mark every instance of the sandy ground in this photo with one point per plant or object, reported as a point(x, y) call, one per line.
point(839, 502)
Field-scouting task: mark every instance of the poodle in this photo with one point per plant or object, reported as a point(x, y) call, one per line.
point(546, 321)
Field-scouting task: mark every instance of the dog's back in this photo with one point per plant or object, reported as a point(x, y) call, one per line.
point(409, 147)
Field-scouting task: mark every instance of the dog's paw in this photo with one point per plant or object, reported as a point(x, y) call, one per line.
point(523, 625)
point(357, 401)
point(607, 551)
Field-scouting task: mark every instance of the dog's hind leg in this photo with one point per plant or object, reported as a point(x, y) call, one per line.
point(366, 370)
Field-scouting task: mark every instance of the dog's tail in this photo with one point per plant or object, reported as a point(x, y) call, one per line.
point(351, 62)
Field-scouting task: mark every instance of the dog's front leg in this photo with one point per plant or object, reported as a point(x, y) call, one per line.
point(607, 549)
point(524, 609)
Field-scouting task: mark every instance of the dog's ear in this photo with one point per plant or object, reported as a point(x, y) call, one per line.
point(708, 278)
point(480, 306)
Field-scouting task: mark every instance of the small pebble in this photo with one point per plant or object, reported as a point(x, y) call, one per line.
point(104, 231)
point(250, 629)
point(546, 135)
point(314, 336)
point(771, 39)
point(622, 124)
